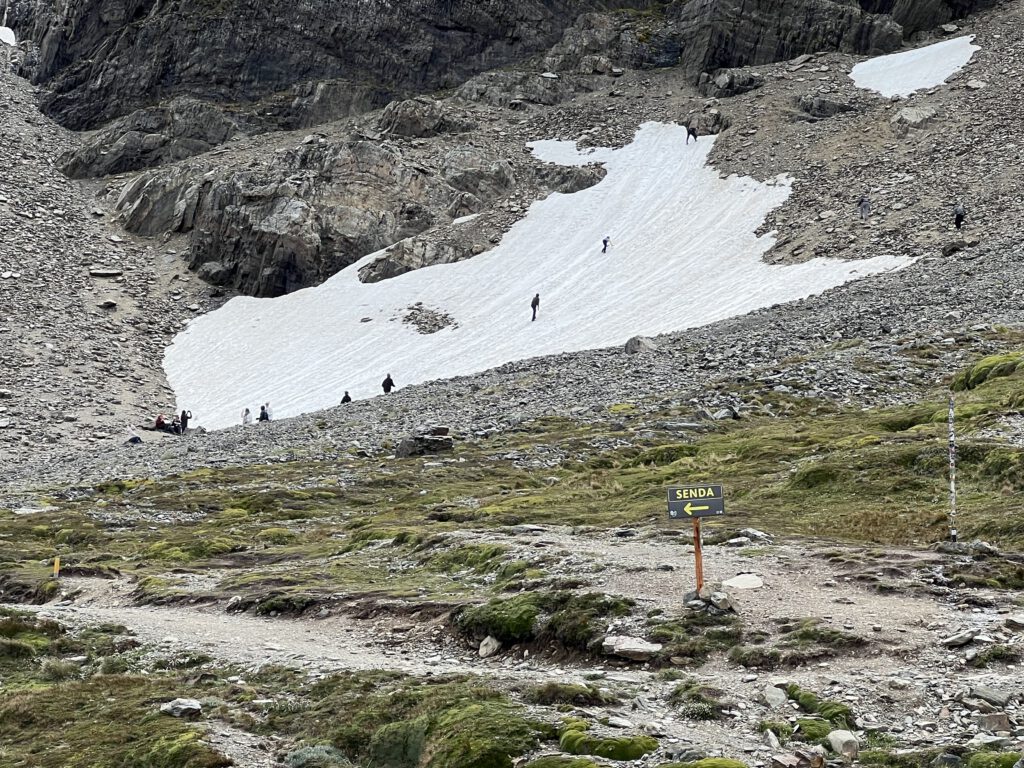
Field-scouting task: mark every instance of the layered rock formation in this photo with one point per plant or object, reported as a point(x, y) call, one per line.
point(297, 59)
point(301, 214)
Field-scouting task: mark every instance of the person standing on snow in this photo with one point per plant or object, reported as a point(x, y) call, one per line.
point(605, 243)
point(535, 305)
point(387, 385)
point(959, 214)
point(691, 131)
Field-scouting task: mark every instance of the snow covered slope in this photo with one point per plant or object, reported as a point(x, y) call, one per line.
point(901, 74)
point(683, 254)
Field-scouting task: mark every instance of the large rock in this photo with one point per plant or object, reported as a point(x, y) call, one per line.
point(295, 217)
point(844, 743)
point(993, 696)
point(820, 107)
point(911, 117)
point(187, 708)
point(424, 445)
point(729, 82)
point(419, 117)
point(640, 344)
point(775, 696)
point(630, 647)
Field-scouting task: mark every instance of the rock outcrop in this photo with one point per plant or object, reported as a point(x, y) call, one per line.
point(102, 59)
point(301, 214)
point(150, 137)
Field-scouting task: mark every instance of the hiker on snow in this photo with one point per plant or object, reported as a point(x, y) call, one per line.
point(535, 305)
point(959, 214)
point(387, 385)
point(246, 417)
point(347, 398)
point(864, 206)
point(605, 243)
point(264, 414)
point(690, 131)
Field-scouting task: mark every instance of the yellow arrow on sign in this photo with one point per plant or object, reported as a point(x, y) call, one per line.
point(690, 509)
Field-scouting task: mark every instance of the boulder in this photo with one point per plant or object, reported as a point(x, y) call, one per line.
point(912, 117)
point(993, 721)
point(423, 445)
point(960, 638)
point(489, 646)
point(419, 117)
point(639, 344)
point(993, 696)
point(844, 743)
point(744, 581)
point(187, 708)
point(1015, 622)
point(987, 741)
point(630, 647)
point(775, 696)
point(820, 107)
point(729, 82)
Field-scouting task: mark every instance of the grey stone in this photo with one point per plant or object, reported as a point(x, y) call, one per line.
point(993, 721)
point(638, 345)
point(186, 708)
point(947, 760)
point(744, 581)
point(489, 646)
point(630, 647)
point(912, 118)
point(844, 743)
point(993, 696)
point(960, 638)
point(775, 696)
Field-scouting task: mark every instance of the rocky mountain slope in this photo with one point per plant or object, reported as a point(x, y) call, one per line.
point(314, 592)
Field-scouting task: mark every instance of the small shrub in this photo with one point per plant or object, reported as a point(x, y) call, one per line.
point(57, 671)
point(320, 756)
point(579, 742)
point(569, 693)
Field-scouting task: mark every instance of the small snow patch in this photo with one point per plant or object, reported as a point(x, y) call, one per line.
point(7, 36)
point(901, 74)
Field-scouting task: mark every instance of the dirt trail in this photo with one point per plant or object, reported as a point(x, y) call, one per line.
point(903, 668)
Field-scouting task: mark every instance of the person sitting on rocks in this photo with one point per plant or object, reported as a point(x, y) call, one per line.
point(264, 415)
point(133, 437)
point(347, 398)
point(175, 426)
point(388, 384)
point(246, 417)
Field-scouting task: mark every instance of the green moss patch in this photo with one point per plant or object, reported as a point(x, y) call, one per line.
point(579, 742)
point(835, 713)
point(573, 621)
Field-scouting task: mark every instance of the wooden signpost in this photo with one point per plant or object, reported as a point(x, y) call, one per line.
point(694, 502)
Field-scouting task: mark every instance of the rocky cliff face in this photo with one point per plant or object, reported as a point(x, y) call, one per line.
point(298, 59)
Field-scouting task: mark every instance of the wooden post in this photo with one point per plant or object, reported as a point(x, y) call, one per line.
point(56, 567)
point(698, 555)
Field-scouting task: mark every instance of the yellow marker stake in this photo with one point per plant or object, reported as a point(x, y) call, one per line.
point(56, 567)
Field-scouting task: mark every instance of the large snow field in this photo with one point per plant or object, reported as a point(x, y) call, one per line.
point(683, 254)
point(901, 74)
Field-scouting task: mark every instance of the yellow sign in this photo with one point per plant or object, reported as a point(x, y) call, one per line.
point(56, 567)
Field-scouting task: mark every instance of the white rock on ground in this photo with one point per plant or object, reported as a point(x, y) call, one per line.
point(182, 708)
point(630, 647)
point(744, 581)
